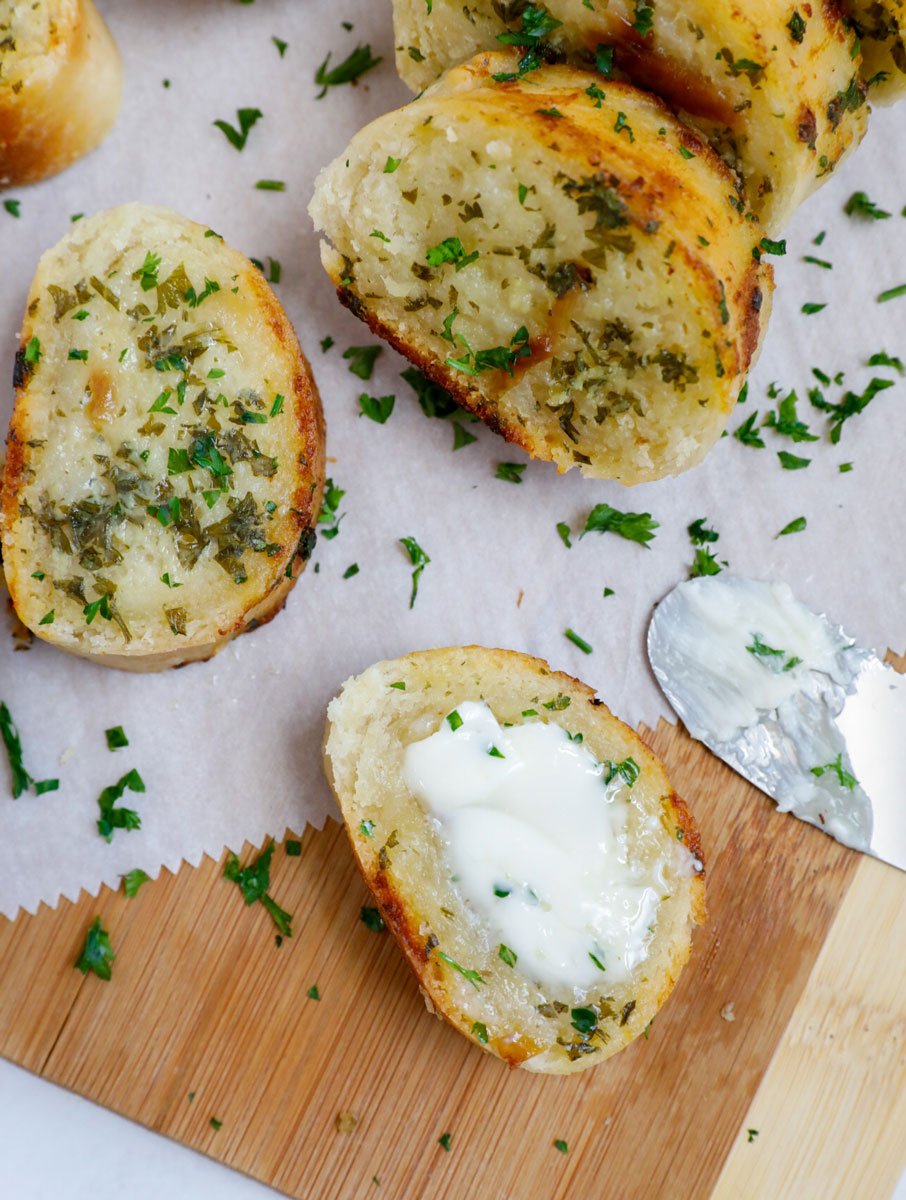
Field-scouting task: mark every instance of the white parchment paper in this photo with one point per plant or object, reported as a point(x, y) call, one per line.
point(230, 749)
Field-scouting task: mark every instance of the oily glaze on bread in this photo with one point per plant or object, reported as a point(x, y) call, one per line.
point(881, 26)
point(166, 456)
point(401, 854)
point(571, 265)
point(774, 87)
point(60, 86)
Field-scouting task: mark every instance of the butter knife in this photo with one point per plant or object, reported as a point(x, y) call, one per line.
point(789, 701)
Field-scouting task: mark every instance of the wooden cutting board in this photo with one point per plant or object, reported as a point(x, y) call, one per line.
point(777, 1069)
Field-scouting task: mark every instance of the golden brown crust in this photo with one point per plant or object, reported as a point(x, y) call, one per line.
point(247, 608)
point(66, 100)
point(443, 676)
point(655, 410)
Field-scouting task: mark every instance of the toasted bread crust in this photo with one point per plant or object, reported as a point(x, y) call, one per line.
point(738, 73)
point(60, 103)
point(407, 890)
point(31, 563)
point(647, 347)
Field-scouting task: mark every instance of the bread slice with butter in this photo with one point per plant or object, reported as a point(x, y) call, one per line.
point(776, 88)
point(570, 262)
point(524, 846)
point(166, 452)
point(60, 86)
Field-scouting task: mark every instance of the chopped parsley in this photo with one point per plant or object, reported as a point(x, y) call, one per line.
point(454, 720)
point(391, 165)
point(12, 207)
point(480, 1031)
point(473, 976)
point(281, 45)
point(563, 531)
point(621, 125)
point(850, 406)
point(348, 71)
point(21, 780)
point(891, 293)
point(794, 526)
point(450, 250)
point(635, 527)
point(254, 881)
point(775, 660)
point(97, 953)
point(361, 360)
point(584, 1020)
point(351, 570)
point(792, 462)
point(366, 828)
point(116, 738)
point(510, 472)
point(133, 881)
point(247, 117)
point(505, 954)
point(111, 817)
point(844, 778)
point(643, 21)
point(376, 408)
point(444, 1140)
point(751, 1135)
point(292, 847)
point(699, 533)
point(796, 25)
point(859, 205)
point(372, 919)
point(810, 308)
point(627, 769)
point(419, 560)
point(561, 1145)
point(328, 515)
point(785, 421)
point(883, 359)
point(32, 352)
point(313, 993)
point(576, 640)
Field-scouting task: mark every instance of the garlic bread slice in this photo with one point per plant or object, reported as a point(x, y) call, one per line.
point(60, 86)
point(166, 452)
point(525, 849)
point(774, 86)
point(569, 261)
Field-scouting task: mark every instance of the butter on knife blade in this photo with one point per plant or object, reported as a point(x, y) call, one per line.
point(791, 703)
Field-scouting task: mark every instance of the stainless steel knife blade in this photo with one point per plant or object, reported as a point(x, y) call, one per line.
point(790, 702)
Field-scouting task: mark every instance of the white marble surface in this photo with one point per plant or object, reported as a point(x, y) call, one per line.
point(56, 1146)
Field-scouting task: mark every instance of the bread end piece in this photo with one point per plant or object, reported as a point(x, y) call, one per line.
point(60, 88)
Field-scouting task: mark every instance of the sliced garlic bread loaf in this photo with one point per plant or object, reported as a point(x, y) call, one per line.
point(571, 262)
point(524, 846)
point(774, 87)
point(60, 85)
point(166, 452)
point(881, 26)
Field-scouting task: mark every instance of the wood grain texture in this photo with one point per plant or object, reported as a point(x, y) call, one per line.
point(203, 1002)
point(851, 1022)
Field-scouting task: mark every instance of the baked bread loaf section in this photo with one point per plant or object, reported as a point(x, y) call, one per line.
point(881, 26)
point(166, 453)
point(423, 868)
point(774, 86)
point(571, 262)
point(60, 86)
